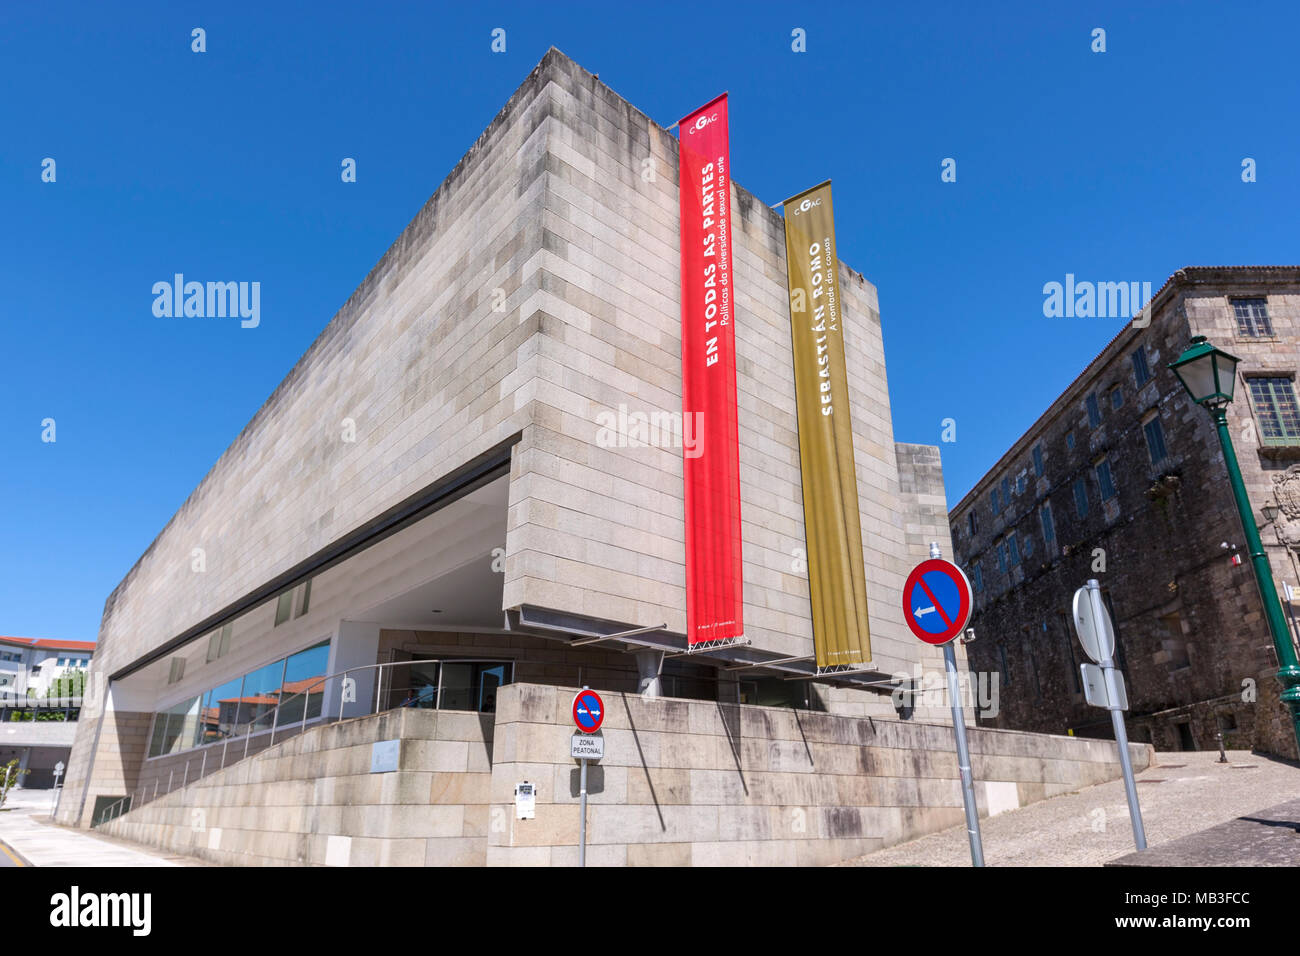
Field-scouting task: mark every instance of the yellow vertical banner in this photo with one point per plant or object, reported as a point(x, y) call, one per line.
point(836, 574)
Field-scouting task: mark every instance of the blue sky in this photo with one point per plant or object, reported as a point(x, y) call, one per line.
point(1117, 166)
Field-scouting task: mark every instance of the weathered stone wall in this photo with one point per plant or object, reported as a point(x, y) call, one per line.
point(313, 800)
point(682, 783)
point(123, 739)
point(600, 529)
point(1190, 624)
point(696, 783)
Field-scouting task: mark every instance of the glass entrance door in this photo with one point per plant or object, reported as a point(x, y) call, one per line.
point(462, 685)
point(491, 676)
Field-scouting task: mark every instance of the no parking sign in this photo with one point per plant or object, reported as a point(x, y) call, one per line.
point(588, 711)
point(937, 601)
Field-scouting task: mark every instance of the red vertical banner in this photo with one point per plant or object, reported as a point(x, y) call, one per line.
point(710, 442)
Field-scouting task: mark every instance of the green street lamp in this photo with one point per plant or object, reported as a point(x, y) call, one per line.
point(1209, 375)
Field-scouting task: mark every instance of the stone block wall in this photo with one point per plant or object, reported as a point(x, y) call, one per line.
point(119, 740)
point(1190, 624)
point(312, 800)
point(597, 528)
point(536, 290)
point(694, 783)
point(683, 783)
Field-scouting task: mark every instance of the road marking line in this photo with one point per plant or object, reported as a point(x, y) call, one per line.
point(13, 855)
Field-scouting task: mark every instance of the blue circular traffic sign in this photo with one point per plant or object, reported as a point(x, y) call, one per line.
point(588, 711)
point(937, 601)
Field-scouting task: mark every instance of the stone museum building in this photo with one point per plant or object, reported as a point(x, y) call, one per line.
point(465, 502)
point(1122, 479)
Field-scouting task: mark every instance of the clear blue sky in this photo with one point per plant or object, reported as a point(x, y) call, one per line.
point(1116, 166)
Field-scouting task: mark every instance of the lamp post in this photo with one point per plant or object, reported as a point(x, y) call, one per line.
point(1209, 376)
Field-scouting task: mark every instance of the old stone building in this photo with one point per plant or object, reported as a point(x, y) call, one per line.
point(1123, 479)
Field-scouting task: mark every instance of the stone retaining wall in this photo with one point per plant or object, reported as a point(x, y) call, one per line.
point(695, 783)
point(313, 800)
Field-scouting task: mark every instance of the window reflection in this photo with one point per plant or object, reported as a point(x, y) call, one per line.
point(465, 685)
point(218, 718)
point(260, 695)
point(296, 686)
point(245, 704)
point(304, 687)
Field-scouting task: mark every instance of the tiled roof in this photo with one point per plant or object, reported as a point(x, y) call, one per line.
point(48, 644)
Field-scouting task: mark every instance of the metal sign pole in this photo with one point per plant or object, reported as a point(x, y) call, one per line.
point(963, 757)
point(582, 820)
point(1107, 664)
point(588, 715)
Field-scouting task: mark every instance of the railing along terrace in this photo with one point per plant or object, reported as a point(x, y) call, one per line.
point(382, 691)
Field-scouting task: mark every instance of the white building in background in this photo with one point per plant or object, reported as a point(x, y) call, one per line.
point(29, 669)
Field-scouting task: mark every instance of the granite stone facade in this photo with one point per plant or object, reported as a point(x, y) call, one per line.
point(683, 783)
point(535, 293)
point(1160, 530)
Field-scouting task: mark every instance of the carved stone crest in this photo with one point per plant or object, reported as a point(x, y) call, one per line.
point(1286, 489)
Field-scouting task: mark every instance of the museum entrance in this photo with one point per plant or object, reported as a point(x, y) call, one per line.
point(441, 684)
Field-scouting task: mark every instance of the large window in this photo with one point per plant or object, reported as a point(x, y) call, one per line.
point(260, 694)
point(1081, 497)
point(1049, 526)
point(1104, 482)
point(1094, 410)
point(219, 643)
point(218, 715)
point(1038, 461)
point(1155, 436)
point(175, 728)
point(245, 704)
point(1275, 407)
point(303, 685)
point(1141, 371)
point(1013, 550)
point(1252, 317)
point(472, 685)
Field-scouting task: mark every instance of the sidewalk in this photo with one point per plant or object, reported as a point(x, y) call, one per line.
point(1264, 838)
point(1182, 794)
point(25, 827)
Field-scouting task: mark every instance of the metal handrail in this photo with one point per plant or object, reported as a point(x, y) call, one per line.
point(274, 712)
point(379, 693)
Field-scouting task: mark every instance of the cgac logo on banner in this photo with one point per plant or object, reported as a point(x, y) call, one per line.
point(805, 206)
point(74, 909)
point(702, 122)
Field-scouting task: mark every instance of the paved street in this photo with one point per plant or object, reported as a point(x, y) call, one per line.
point(26, 830)
point(1182, 794)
